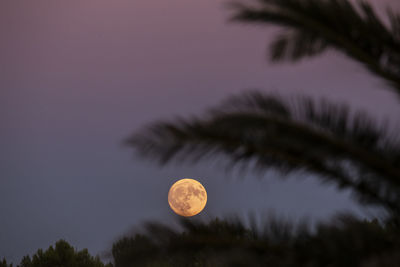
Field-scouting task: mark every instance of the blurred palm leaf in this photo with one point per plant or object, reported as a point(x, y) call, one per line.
point(341, 147)
point(346, 241)
point(312, 26)
point(253, 130)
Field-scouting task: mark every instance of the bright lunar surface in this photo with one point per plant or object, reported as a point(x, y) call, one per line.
point(187, 197)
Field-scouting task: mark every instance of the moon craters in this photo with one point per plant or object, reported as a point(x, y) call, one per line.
point(187, 197)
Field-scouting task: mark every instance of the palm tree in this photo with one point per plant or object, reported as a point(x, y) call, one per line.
point(313, 26)
point(346, 242)
point(342, 147)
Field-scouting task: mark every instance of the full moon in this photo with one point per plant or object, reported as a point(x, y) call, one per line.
point(187, 197)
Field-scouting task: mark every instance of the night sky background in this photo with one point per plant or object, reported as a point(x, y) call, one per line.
point(79, 76)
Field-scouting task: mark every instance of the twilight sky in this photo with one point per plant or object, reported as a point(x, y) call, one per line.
point(79, 76)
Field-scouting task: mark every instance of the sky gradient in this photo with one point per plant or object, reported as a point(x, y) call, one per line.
point(80, 76)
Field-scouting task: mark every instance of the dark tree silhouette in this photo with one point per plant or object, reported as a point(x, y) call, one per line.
point(347, 150)
point(4, 263)
point(346, 242)
point(63, 255)
point(341, 146)
point(312, 26)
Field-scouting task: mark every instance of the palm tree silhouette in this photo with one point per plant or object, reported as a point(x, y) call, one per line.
point(313, 26)
point(340, 146)
point(343, 147)
point(345, 242)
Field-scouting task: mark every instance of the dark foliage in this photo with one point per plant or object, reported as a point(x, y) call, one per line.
point(3, 263)
point(259, 131)
point(345, 242)
point(312, 26)
point(62, 255)
point(345, 148)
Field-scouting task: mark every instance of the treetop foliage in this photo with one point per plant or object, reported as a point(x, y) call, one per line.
point(62, 255)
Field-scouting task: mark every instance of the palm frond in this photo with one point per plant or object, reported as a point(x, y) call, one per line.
point(341, 147)
point(346, 241)
point(312, 26)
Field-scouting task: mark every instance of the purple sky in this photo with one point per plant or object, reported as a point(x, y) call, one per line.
point(77, 77)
